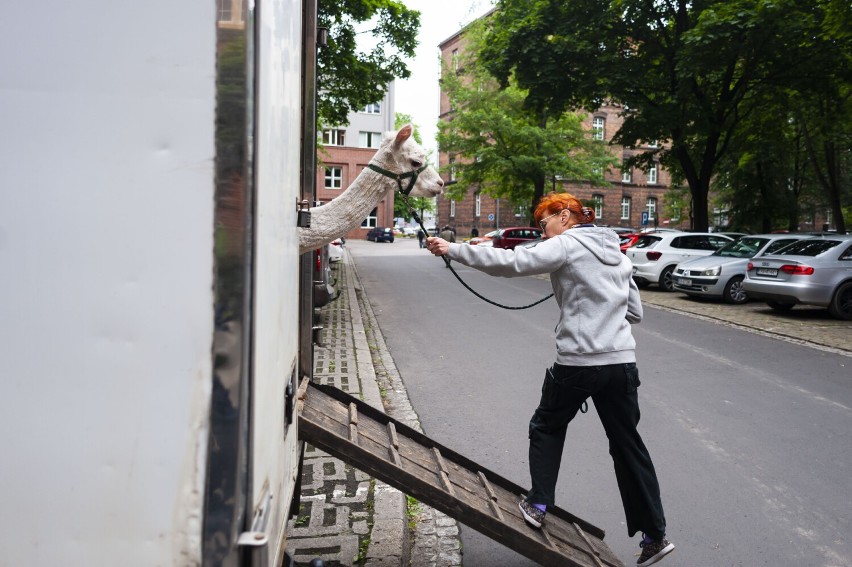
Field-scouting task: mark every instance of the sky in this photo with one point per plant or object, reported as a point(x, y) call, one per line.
point(419, 95)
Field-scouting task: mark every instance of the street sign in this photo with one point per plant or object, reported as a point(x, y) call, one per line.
point(491, 217)
point(644, 218)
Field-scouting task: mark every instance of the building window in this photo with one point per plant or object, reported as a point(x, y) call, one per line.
point(625, 208)
point(225, 10)
point(597, 201)
point(627, 176)
point(333, 137)
point(652, 175)
point(652, 207)
point(375, 108)
point(477, 211)
point(452, 169)
point(333, 177)
point(452, 208)
point(598, 125)
point(455, 60)
point(369, 139)
point(520, 211)
point(372, 220)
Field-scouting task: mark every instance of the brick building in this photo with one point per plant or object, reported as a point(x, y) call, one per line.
point(621, 203)
point(346, 152)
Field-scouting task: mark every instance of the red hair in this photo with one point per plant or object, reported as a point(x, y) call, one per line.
point(553, 203)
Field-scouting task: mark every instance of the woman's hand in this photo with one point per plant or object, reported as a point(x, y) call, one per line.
point(437, 246)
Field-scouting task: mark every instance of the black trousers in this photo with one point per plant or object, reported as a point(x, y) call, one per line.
point(613, 390)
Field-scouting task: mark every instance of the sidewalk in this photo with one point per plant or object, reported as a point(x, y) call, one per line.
point(347, 518)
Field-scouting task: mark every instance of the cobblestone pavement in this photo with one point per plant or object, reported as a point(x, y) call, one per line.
point(346, 517)
point(350, 519)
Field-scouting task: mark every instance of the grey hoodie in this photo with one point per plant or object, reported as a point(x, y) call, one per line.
point(592, 283)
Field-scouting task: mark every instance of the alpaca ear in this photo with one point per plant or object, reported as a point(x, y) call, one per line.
point(403, 134)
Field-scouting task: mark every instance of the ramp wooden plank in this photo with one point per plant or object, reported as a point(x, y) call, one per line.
point(408, 460)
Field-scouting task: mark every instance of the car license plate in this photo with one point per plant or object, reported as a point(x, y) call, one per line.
point(767, 272)
point(683, 281)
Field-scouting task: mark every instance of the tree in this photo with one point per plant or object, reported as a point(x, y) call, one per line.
point(419, 204)
point(683, 68)
point(349, 79)
point(504, 148)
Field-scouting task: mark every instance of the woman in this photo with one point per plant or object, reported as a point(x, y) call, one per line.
point(595, 357)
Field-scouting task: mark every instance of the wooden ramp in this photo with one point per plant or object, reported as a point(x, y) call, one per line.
point(390, 451)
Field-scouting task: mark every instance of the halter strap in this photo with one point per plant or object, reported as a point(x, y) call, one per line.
point(398, 177)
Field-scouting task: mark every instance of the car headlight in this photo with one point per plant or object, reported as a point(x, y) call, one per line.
point(714, 271)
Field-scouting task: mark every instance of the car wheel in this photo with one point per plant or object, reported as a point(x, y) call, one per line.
point(779, 306)
point(666, 281)
point(734, 292)
point(841, 303)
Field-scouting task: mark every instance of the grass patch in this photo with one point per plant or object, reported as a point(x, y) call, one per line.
point(412, 511)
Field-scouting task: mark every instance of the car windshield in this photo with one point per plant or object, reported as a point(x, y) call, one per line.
point(745, 247)
point(809, 247)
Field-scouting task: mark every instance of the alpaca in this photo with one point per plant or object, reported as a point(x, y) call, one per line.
point(399, 154)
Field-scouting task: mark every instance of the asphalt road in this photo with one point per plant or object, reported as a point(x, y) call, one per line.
point(750, 434)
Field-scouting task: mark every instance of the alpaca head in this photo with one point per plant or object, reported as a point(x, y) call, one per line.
point(407, 155)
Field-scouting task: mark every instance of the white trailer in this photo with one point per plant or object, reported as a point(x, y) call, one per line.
point(151, 163)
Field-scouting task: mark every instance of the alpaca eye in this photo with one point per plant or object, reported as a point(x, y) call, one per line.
point(415, 163)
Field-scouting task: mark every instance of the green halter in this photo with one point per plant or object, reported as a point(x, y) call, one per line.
point(400, 176)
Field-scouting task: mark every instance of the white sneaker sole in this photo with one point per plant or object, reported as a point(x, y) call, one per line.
point(662, 553)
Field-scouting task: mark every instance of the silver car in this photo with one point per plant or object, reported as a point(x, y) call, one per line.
point(814, 271)
point(721, 274)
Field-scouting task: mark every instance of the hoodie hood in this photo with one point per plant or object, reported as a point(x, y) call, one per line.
point(602, 242)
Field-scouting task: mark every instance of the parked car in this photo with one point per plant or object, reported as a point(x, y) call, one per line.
point(655, 255)
point(813, 271)
point(721, 274)
point(381, 235)
point(734, 235)
point(627, 240)
point(323, 289)
point(620, 230)
point(484, 238)
point(512, 236)
point(409, 231)
point(652, 229)
point(335, 250)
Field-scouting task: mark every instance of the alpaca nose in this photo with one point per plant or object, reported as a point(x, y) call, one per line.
point(440, 182)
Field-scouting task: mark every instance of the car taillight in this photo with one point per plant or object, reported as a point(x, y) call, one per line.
point(653, 255)
point(750, 267)
point(319, 259)
point(796, 270)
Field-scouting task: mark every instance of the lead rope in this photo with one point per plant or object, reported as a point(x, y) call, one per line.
point(447, 261)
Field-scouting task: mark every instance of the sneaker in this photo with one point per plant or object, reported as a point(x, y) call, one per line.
point(653, 551)
point(532, 515)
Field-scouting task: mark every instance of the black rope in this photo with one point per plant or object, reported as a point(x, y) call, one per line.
point(447, 262)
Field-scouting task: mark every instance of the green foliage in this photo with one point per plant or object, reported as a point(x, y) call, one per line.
point(348, 79)
point(504, 148)
point(401, 119)
point(688, 71)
